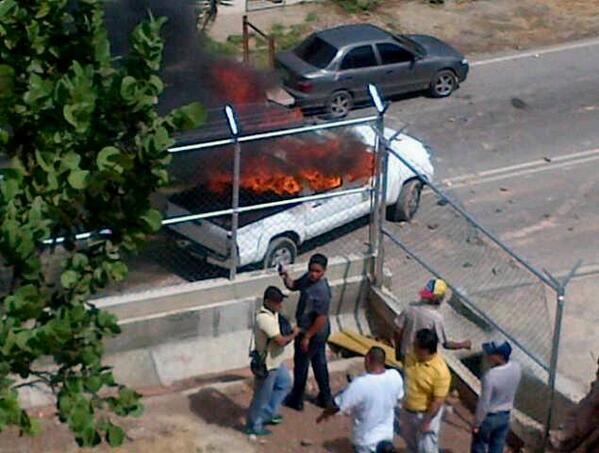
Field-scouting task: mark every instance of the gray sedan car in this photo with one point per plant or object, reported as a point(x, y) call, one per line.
point(332, 68)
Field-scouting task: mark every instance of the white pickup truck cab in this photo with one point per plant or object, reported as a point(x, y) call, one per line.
point(272, 236)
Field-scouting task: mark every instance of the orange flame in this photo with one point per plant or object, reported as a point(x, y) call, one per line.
point(288, 166)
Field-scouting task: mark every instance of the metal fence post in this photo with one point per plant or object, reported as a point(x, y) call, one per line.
point(557, 334)
point(235, 207)
point(271, 51)
point(383, 157)
point(230, 113)
point(379, 209)
point(374, 213)
point(557, 331)
point(246, 40)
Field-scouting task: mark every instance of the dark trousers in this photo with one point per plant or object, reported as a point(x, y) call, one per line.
point(492, 434)
point(301, 363)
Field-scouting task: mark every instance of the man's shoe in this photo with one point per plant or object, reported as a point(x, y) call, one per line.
point(295, 405)
point(258, 432)
point(276, 420)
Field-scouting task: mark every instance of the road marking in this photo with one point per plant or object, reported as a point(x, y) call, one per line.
point(525, 168)
point(538, 52)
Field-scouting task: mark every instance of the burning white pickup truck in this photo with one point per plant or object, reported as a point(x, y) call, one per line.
point(283, 169)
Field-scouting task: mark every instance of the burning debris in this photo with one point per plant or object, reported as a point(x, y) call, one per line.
point(290, 166)
point(246, 89)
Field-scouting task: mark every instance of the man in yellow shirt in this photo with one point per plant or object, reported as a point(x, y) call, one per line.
point(427, 386)
point(270, 390)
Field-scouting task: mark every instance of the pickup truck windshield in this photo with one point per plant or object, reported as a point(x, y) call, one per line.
point(316, 52)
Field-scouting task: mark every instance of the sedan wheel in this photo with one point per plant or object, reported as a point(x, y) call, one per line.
point(443, 84)
point(340, 103)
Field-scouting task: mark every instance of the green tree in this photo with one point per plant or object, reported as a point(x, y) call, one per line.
point(87, 148)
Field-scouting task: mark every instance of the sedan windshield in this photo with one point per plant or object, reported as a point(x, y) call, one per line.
point(316, 52)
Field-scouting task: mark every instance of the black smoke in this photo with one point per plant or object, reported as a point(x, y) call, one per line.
point(187, 66)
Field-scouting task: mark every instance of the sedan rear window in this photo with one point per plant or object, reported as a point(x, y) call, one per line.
point(316, 52)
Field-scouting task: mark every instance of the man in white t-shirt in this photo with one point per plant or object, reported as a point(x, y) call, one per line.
point(370, 400)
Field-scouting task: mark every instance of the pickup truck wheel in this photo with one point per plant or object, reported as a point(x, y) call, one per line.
point(280, 251)
point(408, 201)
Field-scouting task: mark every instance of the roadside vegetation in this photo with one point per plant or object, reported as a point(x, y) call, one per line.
point(286, 37)
point(76, 126)
point(358, 6)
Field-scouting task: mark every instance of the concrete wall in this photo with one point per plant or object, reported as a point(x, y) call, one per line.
point(205, 327)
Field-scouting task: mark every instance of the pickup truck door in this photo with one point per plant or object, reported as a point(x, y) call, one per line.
point(329, 213)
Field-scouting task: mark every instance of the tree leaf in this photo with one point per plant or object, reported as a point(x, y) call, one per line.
point(189, 116)
point(93, 383)
point(68, 279)
point(107, 159)
point(78, 179)
point(115, 435)
point(152, 219)
point(7, 75)
point(71, 160)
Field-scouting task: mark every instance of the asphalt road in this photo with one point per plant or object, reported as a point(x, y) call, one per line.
point(518, 145)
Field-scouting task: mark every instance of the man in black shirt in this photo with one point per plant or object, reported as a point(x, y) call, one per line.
point(312, 316)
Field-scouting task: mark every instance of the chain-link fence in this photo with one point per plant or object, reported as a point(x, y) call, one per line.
point(495, 293)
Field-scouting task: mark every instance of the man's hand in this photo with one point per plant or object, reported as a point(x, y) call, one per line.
point(326, 414)
point(475, 429)
point(305, 344)
point(467, 345)
point(296, 331)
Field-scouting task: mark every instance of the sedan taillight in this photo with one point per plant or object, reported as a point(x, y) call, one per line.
point(305, 86)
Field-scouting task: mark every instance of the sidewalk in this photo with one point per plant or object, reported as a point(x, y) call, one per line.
point(210, 419)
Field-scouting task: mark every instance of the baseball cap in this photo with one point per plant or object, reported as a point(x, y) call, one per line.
point(434, 289)
point(503, 349)
point(273, 293)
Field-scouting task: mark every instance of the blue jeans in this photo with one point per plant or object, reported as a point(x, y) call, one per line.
point(269, 393)
point(492, 434)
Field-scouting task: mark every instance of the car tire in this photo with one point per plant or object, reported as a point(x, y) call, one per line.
point(280, 250)
point(407, 202)
point(443, 84)
point(339, 104)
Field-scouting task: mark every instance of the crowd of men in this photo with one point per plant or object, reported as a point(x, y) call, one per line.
point(419, 389)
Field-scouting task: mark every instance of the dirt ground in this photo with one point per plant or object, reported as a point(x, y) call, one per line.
point(209, 420)
point(473, 26)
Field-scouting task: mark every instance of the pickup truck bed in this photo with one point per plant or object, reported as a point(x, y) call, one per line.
point(199, 200)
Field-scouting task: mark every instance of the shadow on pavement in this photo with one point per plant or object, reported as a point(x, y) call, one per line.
point(216, 408)
point(341, 445)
